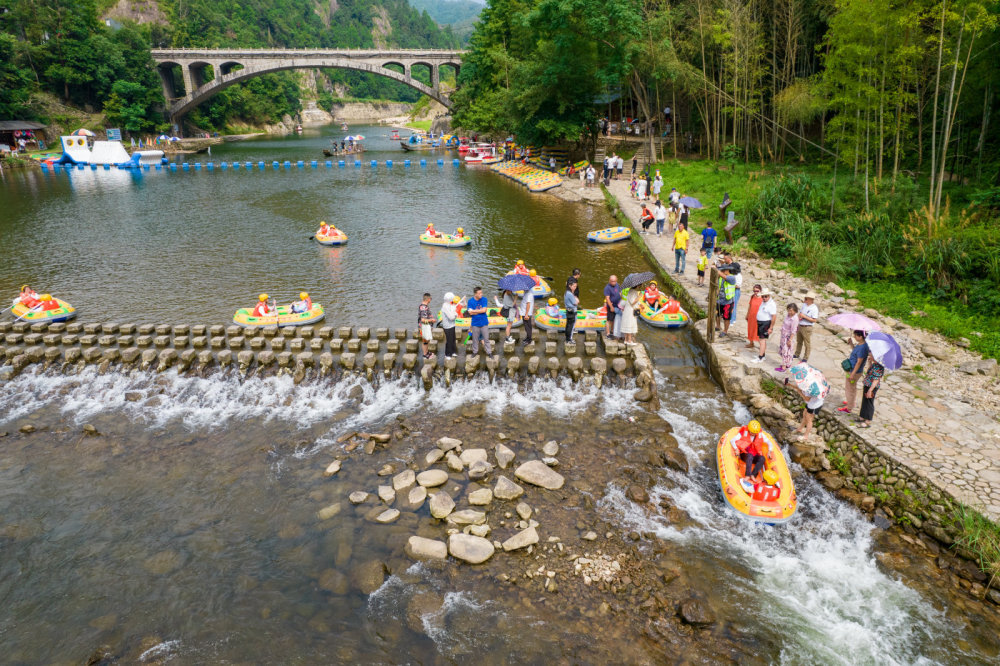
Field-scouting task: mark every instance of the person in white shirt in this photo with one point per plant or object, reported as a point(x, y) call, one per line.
point(675, 197)
point(527, 311)
point(808, 315)
point(619, 167)
point(660, 215)
point(765, 317)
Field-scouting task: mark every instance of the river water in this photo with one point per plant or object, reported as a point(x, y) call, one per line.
point(187, 531)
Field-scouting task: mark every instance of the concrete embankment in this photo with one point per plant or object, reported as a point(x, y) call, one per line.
point(315, 352)
point(929, 489)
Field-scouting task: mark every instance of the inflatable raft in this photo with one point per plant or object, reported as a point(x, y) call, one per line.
point(609, 235)
point(540, 290)
point(660, 317)
point(285, 317)
point(446, 240)
point(496, 321)
point(339, 238)
point(755, 505)
point(586, 320)
point(64, 312)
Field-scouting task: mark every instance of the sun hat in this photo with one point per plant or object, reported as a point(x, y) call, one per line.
point(810, 294)
point(449, 296)
point(765, 292)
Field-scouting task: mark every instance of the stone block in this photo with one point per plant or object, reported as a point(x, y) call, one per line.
point(316, 344)
point(33, 338)
point(326, 332)
point(161, 341)
point(392, 346)
point(284, 359)
point(412, 346)
point(217, 330)
point(130, 354)
point(73, 327)
point(125, 340)
point(181, 341)
point(52, 354)
point(344, 332)
point(336, 345)
point(364, 332)
point(570, 350)
point(182, 329)
point(72, 354)
point(236, 342)
point(141, 341)
point(88, 340)
point(92, 354)
point(400, 333)
point(306, 332)
point(39, 327)
point(278, 343)
point(296, 344)
point(107, 340)
point(199, 329)
point(69, 340)
point(92, 329)
point(163, 329)
point(257, 344)
point(225, 357)
point(590, 348)
point(57, 327)
point(551, 348)
point(307, 359)
point(51, 339)
point(217, 343)
point(234, 331)
point(382, 333)
point(373, 346)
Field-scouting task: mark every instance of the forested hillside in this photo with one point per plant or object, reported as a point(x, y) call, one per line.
point(65, 47)
point(460, 15)
point(868, 128)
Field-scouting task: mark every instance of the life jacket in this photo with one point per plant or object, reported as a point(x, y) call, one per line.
point(262, 310)
point(652, 295)
point(323, 231)
point(50, 305)
point(538, 280)
point(520, 270)
point(765, 493)
point(430, 231)
point(308, 302)
point(752, 444)
point(673, 307)
point(29, 299)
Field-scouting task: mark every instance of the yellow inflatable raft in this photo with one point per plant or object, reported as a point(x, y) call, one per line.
point(64, 312)
point(446, 240)
point(764, 504)
point(586, 320)
point(285, 317)
point(339, 238)
point(496, 321)
point(660, 317)
point(540, 290)
point(609, 235)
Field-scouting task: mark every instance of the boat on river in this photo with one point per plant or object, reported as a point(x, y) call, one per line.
point(284, 317)
point(481, 153)
point(64, 312)
point(586, 320)
point(446, 240)
point(419, 141)
point(609, 235)
point(759, 503)
point(668, 313)
point(337, 238)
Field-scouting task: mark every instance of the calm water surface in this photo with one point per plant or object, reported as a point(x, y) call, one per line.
point(192, 247)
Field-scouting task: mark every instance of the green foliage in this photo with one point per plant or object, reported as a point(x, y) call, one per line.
point(981, 537)
point(15, 81)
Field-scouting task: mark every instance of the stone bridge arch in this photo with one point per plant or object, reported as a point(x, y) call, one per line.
point(232, 67)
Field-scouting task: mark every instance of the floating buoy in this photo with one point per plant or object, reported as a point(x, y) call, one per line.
point(158, 167)
point(300, 164)
point(288, 165)
point(329, 164)
point(145, 167)
point(423, 162)
point(455, 162)
point(357, 163)
point(388, 163)
point(173, 166)
point(260, 165)
point(313, 164)
point(374, 164)
point(406, 163)
point(440, 162)
point(107, 167)
point(340, 163)
point(224, 165)
point(186, 166)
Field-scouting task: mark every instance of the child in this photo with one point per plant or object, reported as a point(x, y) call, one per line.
point(787, 344)
point(813, 405)
point(552, 309)
point(632, 188)
point(702, 267)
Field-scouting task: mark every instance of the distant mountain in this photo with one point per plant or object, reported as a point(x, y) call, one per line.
point(461, 15)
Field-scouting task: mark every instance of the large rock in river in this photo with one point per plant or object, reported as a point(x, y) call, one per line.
point(432, 478)
point(538, 473)
point(420, 548)
point(471, 549)
point(506, 489)
point(441, 505)
point(369, 576)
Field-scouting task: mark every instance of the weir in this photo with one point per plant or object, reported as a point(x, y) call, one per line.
point(311, 352)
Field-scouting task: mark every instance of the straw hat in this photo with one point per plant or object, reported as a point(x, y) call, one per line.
point(765, 292)
point(810, 294)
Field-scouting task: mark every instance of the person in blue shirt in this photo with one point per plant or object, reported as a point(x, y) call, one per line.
point(708, 238)
point(479, 326)
point(859, 354)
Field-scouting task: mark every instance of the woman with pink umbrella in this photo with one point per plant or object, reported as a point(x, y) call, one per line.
point(854, 365)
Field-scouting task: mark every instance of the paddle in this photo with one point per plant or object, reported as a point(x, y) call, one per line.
point(7, 308)
point(28, 312)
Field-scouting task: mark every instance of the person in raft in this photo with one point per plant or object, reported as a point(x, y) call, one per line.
point(533, 274)
point(769, 490)
point(304, 304)
point(652, 294)
point(552, 309)
point(460, 233)
point(28, 297)
point(48, 303)
point(430, 230)
point(520, 268)
point(751, 446)
point(263, 309)
point(324, 230)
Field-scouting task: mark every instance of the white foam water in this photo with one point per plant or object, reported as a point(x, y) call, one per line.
point(813, 582)
point(160, 650)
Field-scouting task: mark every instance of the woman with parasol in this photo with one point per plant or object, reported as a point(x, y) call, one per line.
point(884, 356)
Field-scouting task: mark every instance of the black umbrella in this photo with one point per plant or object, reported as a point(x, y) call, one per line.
point(516, 282)
point(635, 279)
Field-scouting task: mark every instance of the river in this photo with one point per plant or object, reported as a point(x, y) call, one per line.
point(187, 530)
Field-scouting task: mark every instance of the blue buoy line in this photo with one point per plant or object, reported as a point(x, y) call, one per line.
point(249, 166)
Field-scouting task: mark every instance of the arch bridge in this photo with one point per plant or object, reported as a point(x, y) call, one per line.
point(230, 66)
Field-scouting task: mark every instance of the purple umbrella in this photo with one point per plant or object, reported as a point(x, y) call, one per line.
point(853, 321)
point(886, 350)
point(691, 202)
point(516, 282)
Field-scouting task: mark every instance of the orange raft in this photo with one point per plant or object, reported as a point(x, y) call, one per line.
point(752, 505)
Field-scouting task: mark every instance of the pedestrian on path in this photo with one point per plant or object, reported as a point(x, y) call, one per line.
point(425, 321)
point(808, 315)
point(571, 302)
point(680, 247)
point(788, 328)
point(629, 305)
point(702, 267)
point(646, 218)
point(660, 215)
point(755, 301)
point(657, 185)
point(619, 167)
point(870, 384)
point(449, 312)
point(479, 324)
point(527, 311)
point(724, 303)
point(854, 368)
point(766, 312)
point(708, 237)
point(640, 190)
point(612, 294)
point(635, 165)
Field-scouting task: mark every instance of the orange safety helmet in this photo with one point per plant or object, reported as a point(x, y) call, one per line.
point(262, 297)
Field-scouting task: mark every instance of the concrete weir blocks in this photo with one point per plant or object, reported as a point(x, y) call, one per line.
point(310, 352)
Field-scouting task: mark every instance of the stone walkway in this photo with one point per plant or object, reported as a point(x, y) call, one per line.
point(934, 416)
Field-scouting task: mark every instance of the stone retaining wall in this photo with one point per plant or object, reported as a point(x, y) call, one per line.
point(310, 352)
